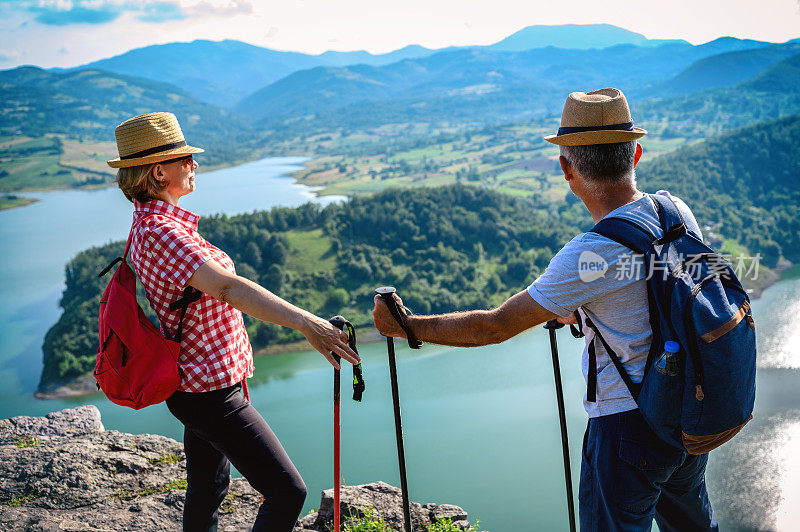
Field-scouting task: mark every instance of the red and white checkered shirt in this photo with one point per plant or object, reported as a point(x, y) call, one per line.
point(165, 251)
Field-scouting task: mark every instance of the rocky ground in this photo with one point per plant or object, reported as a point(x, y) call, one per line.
point(65, 472)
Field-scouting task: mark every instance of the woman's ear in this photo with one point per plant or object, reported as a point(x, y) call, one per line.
point(158, 174)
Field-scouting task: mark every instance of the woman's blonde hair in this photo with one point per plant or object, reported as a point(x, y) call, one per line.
point(138, 182)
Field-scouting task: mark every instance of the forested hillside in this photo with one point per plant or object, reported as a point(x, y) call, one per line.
point(774, 93)
point(454, 247)
point(89, 104)
point(447, 248)
point(746, 181)
point(723, 70)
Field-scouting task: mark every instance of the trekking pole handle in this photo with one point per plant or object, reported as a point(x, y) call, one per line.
point(387, 294)
point(553, 324)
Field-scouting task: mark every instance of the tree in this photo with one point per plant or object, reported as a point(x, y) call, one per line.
point(252, 254)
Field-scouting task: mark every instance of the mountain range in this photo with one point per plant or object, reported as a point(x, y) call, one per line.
point(459, 87)
point(465, 73)
point(772, 93)
point(222, 73)
point(724, 69)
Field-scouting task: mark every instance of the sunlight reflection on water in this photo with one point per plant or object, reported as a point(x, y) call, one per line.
point(762, 491)
point(777, 317)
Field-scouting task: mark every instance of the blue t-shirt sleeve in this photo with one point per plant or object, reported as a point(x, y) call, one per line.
point(587, 267)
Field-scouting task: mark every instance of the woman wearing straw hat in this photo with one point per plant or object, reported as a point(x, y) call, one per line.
point(155, 169)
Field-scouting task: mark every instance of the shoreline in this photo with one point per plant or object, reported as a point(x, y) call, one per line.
point(87, 385)
point(237, 162)
point(25, 203)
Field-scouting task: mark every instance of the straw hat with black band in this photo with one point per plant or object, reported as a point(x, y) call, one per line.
point(150, 138)
point(597, 117)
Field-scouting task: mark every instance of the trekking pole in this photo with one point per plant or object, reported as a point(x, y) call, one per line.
point(386, 293)
point(551, 326)
point(358, 388)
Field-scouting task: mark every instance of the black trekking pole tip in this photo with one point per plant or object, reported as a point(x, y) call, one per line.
point(385, 291)
point(553, 324)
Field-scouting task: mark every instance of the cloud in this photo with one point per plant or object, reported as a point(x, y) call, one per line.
point(9, 55)
point(161, 12)
point(66, 12)
point(223, 8)
point(75, 14)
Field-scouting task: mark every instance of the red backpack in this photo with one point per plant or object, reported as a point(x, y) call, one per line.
point(136, 365)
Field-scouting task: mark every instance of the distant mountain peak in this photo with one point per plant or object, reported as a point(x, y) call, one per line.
point(570, 36)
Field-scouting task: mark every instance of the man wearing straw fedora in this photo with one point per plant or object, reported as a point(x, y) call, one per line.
point(221, 426)
point(628, 475)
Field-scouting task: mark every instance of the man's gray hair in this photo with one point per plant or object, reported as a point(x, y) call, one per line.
point(603, 163)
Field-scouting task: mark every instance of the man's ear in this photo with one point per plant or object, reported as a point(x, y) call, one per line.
point(638, 154)
point(566, 167)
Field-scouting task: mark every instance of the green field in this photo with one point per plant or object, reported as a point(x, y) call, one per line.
point(11, 201)
point(512, 158)
point(309, 252)
point(50, 161)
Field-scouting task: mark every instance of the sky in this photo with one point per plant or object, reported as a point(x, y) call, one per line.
point(65, 33)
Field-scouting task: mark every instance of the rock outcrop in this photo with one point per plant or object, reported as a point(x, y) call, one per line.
point(65, 472)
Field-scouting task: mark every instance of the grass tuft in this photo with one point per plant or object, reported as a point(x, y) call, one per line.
point(28, 497)
point(23, 442)
point(126, 495)
point(167, 458)
point(446, 525)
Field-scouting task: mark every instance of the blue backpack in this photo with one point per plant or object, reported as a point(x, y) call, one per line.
point(698, 387)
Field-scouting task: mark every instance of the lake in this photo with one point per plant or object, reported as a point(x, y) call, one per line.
point(481, 425)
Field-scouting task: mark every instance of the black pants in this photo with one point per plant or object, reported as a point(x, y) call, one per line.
point(220, 428)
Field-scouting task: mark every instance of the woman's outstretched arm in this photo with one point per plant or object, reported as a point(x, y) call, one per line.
point(260, 303)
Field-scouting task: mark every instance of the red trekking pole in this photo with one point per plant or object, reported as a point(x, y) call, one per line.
point(336, 450)
point(358, 389)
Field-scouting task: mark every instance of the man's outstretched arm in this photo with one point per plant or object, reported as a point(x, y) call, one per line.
point(467, 329)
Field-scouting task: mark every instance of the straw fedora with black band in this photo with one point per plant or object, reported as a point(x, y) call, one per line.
point(597, 117)
point(150, 138)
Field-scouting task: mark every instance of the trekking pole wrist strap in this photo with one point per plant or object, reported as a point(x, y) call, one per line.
point(401, 320)
point(358, 377)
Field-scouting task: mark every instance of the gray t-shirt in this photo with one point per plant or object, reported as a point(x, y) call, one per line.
point(607, 281)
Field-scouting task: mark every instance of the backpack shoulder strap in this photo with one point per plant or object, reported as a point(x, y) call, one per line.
point(124, 254)
point(671, 219)
point(591, 386)
point(625, 232)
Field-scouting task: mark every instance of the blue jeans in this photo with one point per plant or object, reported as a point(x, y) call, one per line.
point(629, 476)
